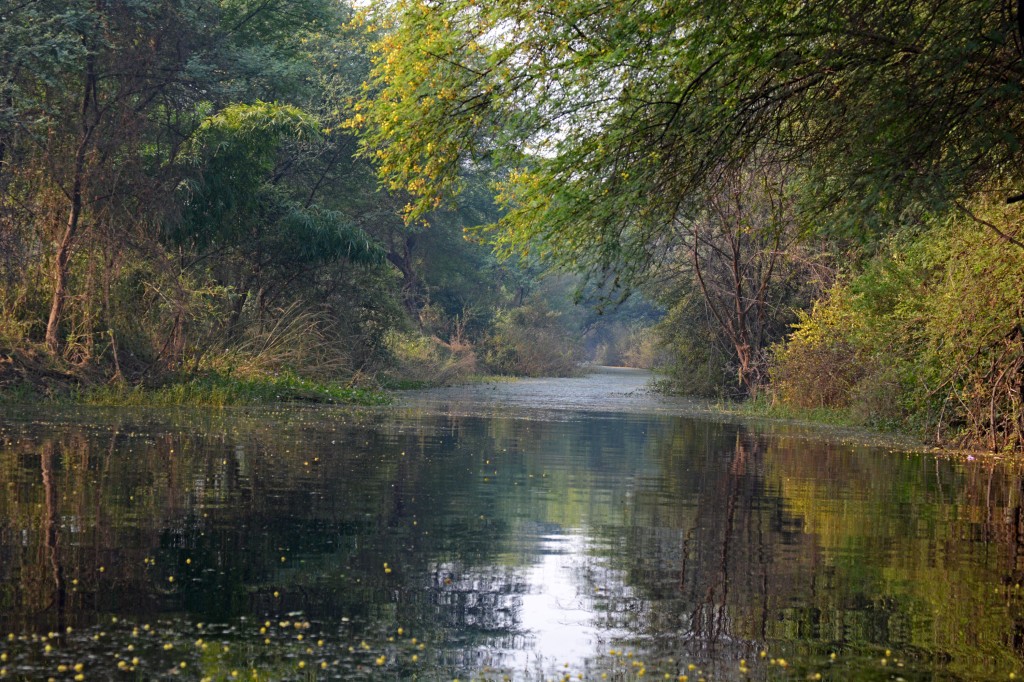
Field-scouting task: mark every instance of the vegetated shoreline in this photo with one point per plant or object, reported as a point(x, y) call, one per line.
point(31, 382)
point(34, 379)
point(837, 422)
point(27, 379)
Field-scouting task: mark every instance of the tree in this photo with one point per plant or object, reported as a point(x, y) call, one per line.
point(618, 116)
point(118, 128)
point(740, 253)
point(81, 88)
point(241, 212)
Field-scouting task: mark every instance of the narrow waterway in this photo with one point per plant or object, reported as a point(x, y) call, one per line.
point(529, 529)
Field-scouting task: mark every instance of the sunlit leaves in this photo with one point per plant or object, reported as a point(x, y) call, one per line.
point(628, 112)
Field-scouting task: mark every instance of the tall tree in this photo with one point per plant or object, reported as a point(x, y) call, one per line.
point(740, 253)
point(80, 91)
point(627, 111)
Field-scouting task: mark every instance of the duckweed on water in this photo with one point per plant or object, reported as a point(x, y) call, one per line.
point(278, 650)
point(223, 652)
point(590, 552)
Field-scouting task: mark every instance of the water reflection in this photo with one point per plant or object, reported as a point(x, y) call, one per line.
point(504, 545)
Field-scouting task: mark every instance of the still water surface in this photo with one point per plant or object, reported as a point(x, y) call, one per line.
point(530, 529)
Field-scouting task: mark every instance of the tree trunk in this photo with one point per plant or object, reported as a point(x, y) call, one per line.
point(60, 267)
point(60, 271)
point(410, 282)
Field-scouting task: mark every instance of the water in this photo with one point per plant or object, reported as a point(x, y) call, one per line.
point(529, 529)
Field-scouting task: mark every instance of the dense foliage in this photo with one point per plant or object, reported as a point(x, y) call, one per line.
point(929, 333)
point(736, 160)
point(247, 188)
point(179, 195)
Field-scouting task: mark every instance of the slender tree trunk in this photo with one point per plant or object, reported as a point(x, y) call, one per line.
point(60, 267)
point(410, 282)
point(741, 339)
point(60, 276)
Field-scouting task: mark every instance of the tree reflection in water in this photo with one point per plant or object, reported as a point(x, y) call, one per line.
point(500, 543)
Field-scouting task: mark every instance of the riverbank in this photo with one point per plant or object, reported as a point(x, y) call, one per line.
point(765, 408)
point(28, 380)
point(601, 389)
point(30, 377)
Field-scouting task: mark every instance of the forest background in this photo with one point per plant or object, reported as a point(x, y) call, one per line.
point(808, 206)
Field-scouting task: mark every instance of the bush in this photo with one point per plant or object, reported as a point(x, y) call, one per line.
point(699, 363)
point(418, 360)
point(929, 336)
point(822, 361)
point(296, 339)
point(531, 341)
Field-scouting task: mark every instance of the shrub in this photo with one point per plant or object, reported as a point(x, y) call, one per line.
point(699, 363)
point(929, 336)
point(419, 360)
point(531, 341)
point(295, 339)
point(822, 361)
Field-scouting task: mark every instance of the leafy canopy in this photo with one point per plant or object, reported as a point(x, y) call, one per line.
point(619, 116)
point(234, 194)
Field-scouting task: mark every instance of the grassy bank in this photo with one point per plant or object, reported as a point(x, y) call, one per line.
point(209, 390)
point(846, 423)
point(767, 409)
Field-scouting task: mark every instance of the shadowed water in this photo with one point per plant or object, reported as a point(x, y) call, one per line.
point(527, 529)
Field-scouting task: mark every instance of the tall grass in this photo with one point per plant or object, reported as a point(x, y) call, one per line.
point(216, 390)
point(298, 339)
point(421, 361)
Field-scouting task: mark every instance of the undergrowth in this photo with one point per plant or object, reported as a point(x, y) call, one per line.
point(766, 407)
point(217, 390)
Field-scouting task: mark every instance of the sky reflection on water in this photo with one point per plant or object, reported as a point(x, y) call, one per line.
point(507, 541)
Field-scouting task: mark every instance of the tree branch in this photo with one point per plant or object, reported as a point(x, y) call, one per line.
point(1002, 235)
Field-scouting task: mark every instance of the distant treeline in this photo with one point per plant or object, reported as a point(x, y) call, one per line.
point(253, 187)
